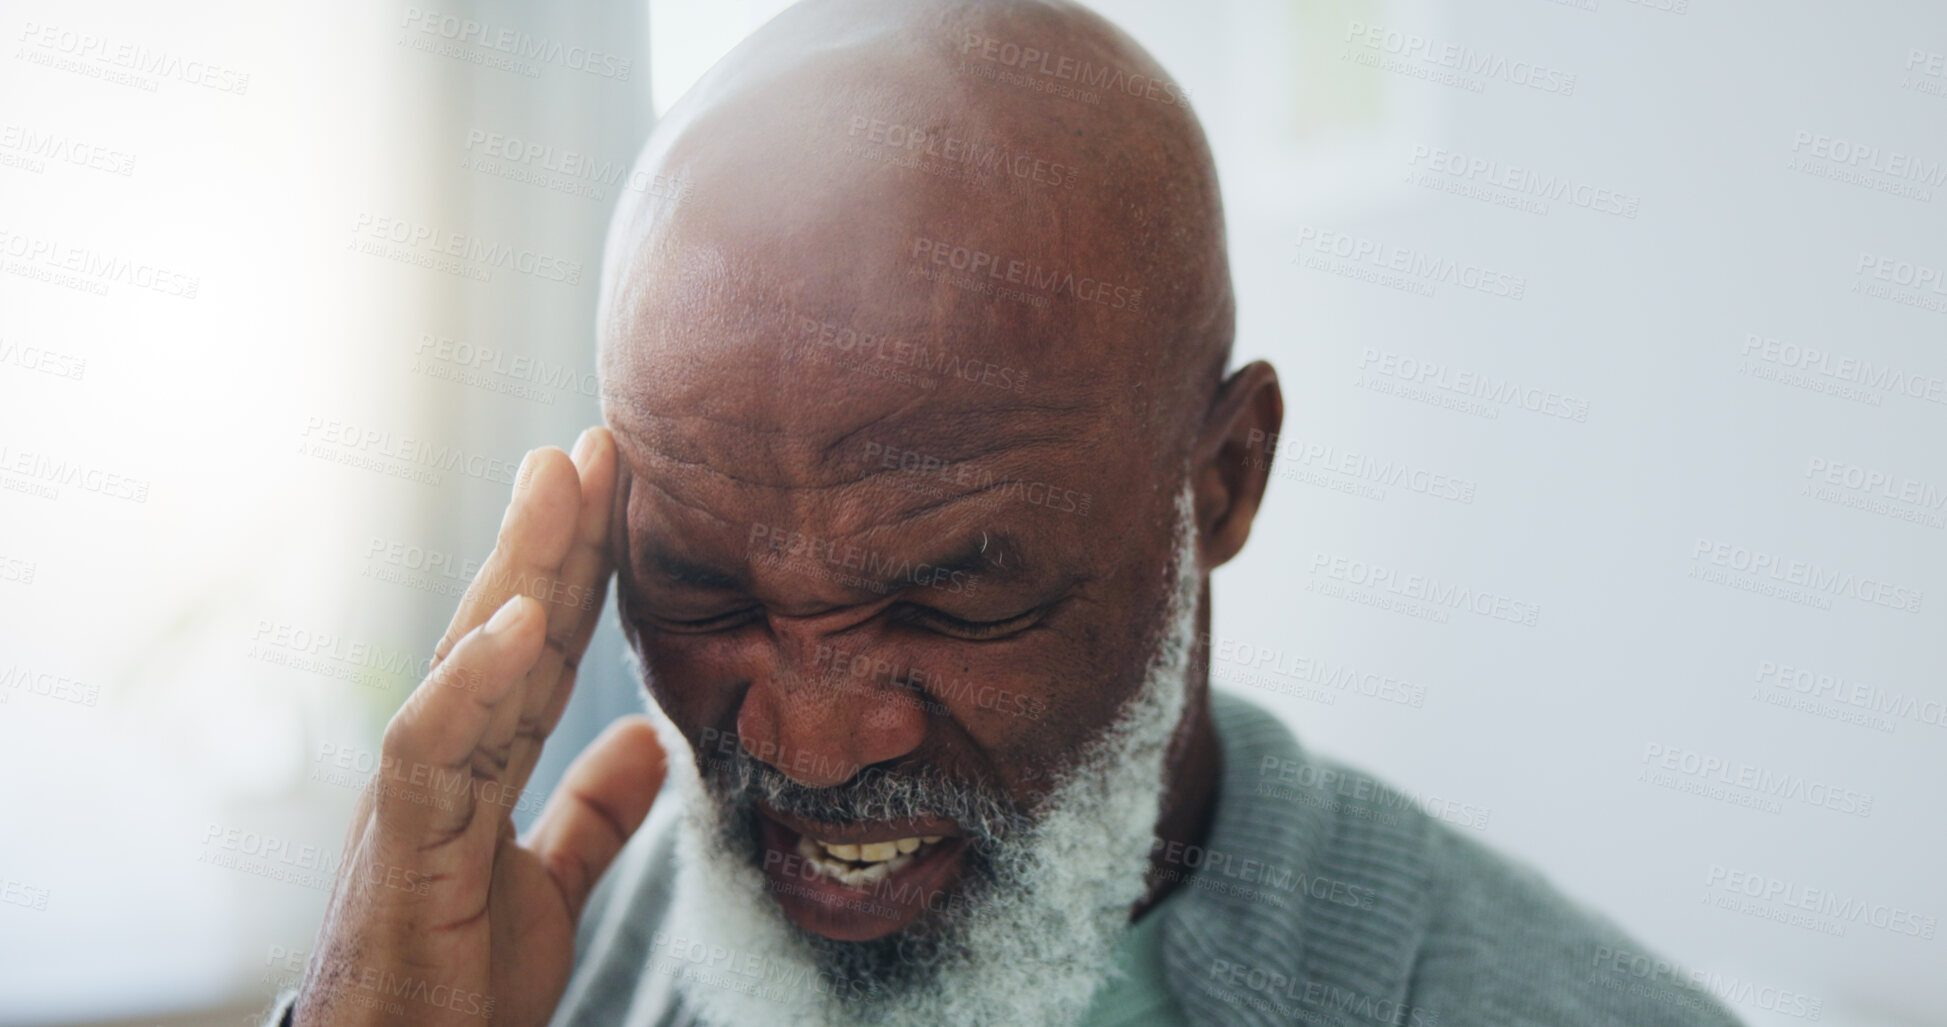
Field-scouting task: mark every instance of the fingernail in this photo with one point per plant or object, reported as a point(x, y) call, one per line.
point(525, 474)
point(584, 446)
point(504, 616)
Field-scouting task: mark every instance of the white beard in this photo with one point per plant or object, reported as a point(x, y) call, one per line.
point(1032, 950)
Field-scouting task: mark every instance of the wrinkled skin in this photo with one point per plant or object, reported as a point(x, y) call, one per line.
point(754, 337)
point(750, 495)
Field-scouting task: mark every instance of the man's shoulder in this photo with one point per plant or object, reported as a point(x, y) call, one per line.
point(1503, 945)
point(1413, 920)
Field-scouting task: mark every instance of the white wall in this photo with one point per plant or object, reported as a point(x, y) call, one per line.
point(1688, 436)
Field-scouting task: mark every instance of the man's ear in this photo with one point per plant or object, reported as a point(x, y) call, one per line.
point(1232, 461)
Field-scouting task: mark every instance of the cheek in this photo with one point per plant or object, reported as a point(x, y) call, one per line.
point(688, 678)
point(1085, 676)
point(1027, 706)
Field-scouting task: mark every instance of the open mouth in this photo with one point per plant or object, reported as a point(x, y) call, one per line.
point(861, 881)
point(870, 863)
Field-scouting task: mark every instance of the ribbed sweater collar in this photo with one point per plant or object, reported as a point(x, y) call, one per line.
point(1317, 893)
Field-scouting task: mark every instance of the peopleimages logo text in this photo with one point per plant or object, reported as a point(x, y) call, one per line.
point(516, 43)
point(1020, 272)
point(1106, 77)
point(1807, 575)
point(1466, 60)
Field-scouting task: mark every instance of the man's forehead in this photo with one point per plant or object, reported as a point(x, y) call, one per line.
point(804, 445)
point(805, 389)
point(858, 311)
point(731, 456)
point(943, 506)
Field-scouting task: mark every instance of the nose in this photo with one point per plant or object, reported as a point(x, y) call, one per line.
point(821, 712)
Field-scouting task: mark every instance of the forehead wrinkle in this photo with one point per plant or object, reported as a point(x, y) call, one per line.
point(694, 505)
point(683, 502)
point(861, 510)
point(914, 513)
point(888, 520)
point(959, 433)
point(655, 455)
point(691, 450)
point(1014, 422)
point(829, 450)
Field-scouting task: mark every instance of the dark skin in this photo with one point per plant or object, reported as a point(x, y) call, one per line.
point(741, 426)
point(746, 481)
point(1063, 613)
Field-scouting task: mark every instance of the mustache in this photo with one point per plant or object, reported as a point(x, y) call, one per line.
point(874, 795)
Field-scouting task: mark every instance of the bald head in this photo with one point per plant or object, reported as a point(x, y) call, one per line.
point(1007, 185)
point(917, 377)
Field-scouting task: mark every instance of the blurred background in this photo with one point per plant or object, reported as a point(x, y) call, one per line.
point(1625, 318)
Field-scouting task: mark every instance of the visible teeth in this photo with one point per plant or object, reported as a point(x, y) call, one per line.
point(859, 865)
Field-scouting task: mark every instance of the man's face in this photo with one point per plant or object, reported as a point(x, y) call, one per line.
point(859, 582)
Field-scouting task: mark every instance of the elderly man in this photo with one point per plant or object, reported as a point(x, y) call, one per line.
point(923, 449)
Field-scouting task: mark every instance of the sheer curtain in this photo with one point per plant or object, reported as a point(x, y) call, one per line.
point(288, 292)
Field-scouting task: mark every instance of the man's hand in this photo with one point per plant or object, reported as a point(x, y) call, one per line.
point(439, 914)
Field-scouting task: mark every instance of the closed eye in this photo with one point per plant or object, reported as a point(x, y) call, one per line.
point(970, 630)
point(705, 625)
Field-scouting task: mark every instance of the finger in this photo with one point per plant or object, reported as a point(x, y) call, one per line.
point(424, 788)
point(602, 799)
point(535, 535)
point(529, 736)
point(590, 557)
point(583, 579)
point(618, 514)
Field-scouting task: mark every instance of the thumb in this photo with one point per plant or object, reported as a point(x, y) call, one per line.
point(601, 801)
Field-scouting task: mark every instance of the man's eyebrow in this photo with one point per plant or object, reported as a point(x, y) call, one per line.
point(688, 572)
point(992, 554)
